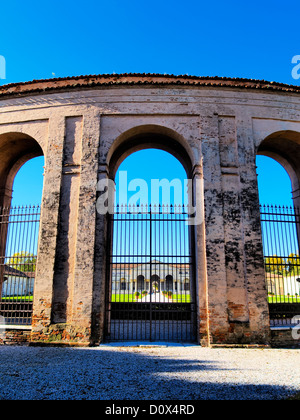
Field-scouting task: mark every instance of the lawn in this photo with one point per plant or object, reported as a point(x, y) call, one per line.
point(184, 298)
point(129, 297)
point(17, 299)
point(283, 299)
point(123, 297)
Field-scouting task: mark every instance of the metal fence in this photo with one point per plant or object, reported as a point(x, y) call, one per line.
point(19, 228)
point(281, 235)
point(151, 275)
point(151, 269)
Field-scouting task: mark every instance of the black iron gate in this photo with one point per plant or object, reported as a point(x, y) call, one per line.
point(281, 238)
point(150, 289)
point(19, 228)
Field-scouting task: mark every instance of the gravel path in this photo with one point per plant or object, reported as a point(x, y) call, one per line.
point(147, 373)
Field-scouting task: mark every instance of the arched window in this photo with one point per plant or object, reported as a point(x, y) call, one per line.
point(140, 283)
point(155, 283)
point(169, 282)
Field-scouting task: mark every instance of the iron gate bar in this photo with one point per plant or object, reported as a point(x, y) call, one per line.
point(19, 227)
point(138, 239)
point(281, 235)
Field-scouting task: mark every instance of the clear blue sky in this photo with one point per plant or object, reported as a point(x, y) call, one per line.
point(274, 183)
point(254, 39)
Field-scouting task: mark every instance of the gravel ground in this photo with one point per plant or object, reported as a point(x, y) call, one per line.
point(147, 373)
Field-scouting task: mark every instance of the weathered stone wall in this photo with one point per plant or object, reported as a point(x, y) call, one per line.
point(284, 338)
point(79, 131)
point(13, 336)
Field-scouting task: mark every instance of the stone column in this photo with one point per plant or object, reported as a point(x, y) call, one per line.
point(102, 248)
point(83, 310)
point(65, 271)
point(43, 293)
point(259, 323)
point(238, 311)
point(236, 295)
point(200, 257)
point(217, 308)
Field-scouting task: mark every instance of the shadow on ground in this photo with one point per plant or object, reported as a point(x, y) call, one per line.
point(39, 373)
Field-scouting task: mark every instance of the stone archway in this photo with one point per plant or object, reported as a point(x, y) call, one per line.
point(284, 147)
point(159, 324)
point(280, 226)
point(15, 150)
point(17, 255)
point(86, 125)
point(150, 136)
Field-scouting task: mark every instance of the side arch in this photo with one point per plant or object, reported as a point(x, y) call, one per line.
point(15, 150)
point(280, 230)
point(284, 147)
point(18, 245)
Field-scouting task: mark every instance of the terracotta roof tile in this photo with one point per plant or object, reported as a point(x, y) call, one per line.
point(130, 79)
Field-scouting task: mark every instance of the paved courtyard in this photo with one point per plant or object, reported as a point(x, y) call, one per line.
point(165, 372)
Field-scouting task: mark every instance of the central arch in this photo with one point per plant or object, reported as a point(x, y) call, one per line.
point(150, 136)
point(155, 313)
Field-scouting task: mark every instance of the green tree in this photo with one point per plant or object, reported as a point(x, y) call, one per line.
point(23, 261)
point(293, 264)
point(275, 264)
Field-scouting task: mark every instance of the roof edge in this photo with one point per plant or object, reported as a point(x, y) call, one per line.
point(90, 81)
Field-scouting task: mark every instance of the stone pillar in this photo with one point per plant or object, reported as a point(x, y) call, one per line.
point(217, 309)
point(200, 258)
point(259, 322)
point(238, 311)
point(84, 288)
point(43, 293)
point(63, 301)
point(64, 269)
point(102, 248)
point(236, 294)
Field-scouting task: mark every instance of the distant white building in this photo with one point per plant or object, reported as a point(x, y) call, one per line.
point(291, 285)
point(161, 276)
point(283, 286)
point(16, 282)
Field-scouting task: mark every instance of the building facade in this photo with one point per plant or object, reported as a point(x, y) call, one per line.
point(137, 277)
point(86, 126)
